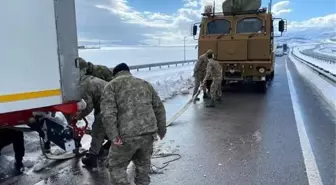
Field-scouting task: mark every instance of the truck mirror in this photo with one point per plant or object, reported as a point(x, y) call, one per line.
point(194, 30)
point(282, 26)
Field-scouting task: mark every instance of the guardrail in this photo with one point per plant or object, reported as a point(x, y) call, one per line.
point(150, 66)
point(311, 53)
point(331, 78)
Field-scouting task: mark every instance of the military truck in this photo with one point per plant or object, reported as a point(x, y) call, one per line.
point(242, 38)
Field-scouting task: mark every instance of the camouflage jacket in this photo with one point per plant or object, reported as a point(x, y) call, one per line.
point(102, 72)
point(131, 107)
point(91, 90)
point(200, 66)
point(213, 70)
point(98, 71)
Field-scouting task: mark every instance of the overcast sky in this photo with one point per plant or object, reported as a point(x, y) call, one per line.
point(148, 21)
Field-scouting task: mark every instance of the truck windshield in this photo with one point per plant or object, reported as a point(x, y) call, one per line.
point(249, 25)
point(219, 26)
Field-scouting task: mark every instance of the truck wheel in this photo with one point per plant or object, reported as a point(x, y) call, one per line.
point(272, 75)
point(262, 86)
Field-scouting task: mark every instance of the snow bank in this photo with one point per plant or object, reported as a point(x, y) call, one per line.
point(169, 82)
point(323, 87)
point(321, 63)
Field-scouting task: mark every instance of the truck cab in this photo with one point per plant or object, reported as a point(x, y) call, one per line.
point(242, 41)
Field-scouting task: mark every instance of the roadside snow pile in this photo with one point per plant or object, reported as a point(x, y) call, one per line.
point(320, 85)
point(169, 82)
point(321, 63)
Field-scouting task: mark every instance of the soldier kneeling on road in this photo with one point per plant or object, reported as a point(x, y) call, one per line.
point(91, 90)
point(213, 70)
point(133, 114)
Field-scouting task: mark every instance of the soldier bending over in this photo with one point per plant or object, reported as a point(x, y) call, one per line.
point(133, 114)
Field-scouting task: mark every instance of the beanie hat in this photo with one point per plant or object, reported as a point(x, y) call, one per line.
point(120, 67)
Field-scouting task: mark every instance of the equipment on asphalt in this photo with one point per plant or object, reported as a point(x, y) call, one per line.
point(183, 109)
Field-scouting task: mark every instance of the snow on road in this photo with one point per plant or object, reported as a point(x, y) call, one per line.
point(331, 67)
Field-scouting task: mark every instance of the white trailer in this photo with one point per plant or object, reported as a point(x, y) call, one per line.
point(39, 74)
point(38, 50)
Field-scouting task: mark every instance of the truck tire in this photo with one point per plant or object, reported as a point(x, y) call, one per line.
point(272, 75)
point(262, 86)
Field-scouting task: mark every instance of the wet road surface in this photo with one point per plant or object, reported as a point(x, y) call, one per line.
point(248, 139)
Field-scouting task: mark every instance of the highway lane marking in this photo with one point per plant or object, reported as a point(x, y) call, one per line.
point(312, 171)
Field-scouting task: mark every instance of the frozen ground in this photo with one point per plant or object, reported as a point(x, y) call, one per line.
point(323, 64)
point(137, 55)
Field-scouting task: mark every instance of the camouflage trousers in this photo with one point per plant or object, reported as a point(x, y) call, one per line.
point(137, 149)
point(98, 135)
point(198, 81)
point(216, 89)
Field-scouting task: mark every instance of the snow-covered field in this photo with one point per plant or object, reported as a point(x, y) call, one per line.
point(111, 56)
point(168, 82)
point(327, 49)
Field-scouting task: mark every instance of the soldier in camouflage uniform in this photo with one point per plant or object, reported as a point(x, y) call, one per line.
point(199, 72)
point(91, 89)
point(214, 70)
point(98, 71)
point(132, 114)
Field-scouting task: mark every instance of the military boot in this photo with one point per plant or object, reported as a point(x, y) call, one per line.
point(205, 96)
point(18, 165)
point(90, 160)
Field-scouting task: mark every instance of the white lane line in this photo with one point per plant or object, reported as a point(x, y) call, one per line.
point(312, 171)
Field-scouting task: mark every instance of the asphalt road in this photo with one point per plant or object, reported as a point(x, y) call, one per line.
point(248, 139)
